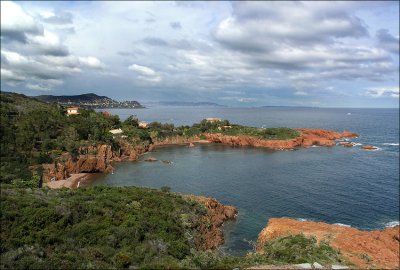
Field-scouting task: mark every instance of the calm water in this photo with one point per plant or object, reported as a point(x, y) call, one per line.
point(335, 185)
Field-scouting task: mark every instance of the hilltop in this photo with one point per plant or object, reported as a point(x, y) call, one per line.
point(90, 100)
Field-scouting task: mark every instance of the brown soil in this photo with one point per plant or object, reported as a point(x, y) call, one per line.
point(365, 249)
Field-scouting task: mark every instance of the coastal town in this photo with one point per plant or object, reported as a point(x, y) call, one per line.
point(91, 101)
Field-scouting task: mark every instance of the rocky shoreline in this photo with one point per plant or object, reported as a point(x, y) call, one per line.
point(364, 249)
point(93, 159)
point(307, 138)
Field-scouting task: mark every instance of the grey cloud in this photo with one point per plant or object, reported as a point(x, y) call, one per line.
point(387, 41)
point(175, 25)
point(154, 41)
point(303, 37)
point(150, 20)
point(59, 17)
point(9, 34)
point(261, 26)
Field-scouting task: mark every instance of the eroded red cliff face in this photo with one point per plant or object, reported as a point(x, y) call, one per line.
point(307, 138)
point(366, 249)
point(91, 159)
point(98, 158)
point(211, 225)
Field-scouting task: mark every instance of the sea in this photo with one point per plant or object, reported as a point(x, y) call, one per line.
point(345, 186)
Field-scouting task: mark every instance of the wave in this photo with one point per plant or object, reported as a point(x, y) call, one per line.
point(357, 144)
point(304, 219)
point(341, 224)
point(392, 224)
point(391, 144)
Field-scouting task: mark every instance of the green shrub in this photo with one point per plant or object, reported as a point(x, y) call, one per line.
point(295, 249)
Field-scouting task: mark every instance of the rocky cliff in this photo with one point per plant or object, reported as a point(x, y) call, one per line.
point(211, 225)
point(98, 158)
point(365, 249)
point(90, 160)
point(307, 138)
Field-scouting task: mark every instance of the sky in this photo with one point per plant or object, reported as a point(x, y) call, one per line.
point(246, 54)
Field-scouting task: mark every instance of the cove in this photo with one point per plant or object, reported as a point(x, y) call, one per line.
point(318, 183)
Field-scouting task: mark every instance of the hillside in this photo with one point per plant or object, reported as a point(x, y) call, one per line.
point(90, 100)
point(105, 228)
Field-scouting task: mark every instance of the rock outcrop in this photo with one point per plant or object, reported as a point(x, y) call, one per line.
point(369, 147)
point(307, 138)
point(211, 225)
point(365, 249)
point(91, 159)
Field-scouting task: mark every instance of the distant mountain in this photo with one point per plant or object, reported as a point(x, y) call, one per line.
point(186, 103)
point(90, 100)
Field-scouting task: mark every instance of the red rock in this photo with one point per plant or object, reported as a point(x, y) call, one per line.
point(381, 246)
point(211, 225)
point(369, 147)
point(307, 138)
point(92, 159)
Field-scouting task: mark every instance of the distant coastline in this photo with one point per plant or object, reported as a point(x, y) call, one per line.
point(90, 101)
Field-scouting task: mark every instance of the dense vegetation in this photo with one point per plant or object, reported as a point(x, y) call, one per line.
point(263, 133)
point(34, 132)
point(96, 227)
point(104, 227)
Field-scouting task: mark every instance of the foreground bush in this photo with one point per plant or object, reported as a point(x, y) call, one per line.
point(96, 227)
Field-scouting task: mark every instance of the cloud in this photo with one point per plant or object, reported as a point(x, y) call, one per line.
point(153, 41)
point(175, 25)
point(258, 52)
point(91, 62)
point(145, 73)
point(387, 41)
point(16, 24)
point(261, 26)
point(383, 92)
point(33, 56)
point(60, 17)
point(318, 40)
point(300, 93)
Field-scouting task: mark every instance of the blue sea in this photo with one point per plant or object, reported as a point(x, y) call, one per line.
point(350, 186)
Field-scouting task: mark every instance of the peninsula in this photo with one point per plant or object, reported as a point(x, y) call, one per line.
point(91, 101)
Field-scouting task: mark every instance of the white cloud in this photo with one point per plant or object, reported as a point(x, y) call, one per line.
point(300, 93)
point(145, 73)
point(142, 70)
point(15, 22)
point(36, 57)
point(384, 92)
point(91, 62)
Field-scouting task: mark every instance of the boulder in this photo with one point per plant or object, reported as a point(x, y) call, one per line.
point(369, 147)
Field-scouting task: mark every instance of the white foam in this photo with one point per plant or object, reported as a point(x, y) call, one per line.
point(314, 146)
point(392, 224)
point(357, 144)
point(341, 224)
point(391, 144)
point(302, 219)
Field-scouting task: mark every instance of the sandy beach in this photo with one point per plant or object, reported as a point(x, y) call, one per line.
point(70, 182)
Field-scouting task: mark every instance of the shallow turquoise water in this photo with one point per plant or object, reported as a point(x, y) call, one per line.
point(335, 185)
